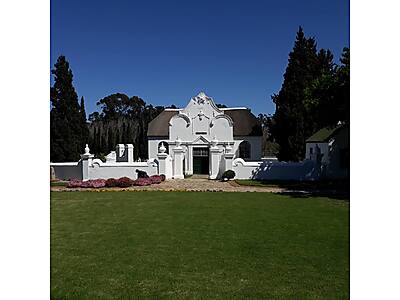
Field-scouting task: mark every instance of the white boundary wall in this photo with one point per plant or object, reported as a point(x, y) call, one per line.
point(274, 170)
point(67, 170)
point(101, 170)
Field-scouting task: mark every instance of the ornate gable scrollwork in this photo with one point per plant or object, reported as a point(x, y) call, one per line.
point(202, 98)
point(183, 116)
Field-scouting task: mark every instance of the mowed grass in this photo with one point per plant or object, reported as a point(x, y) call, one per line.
point(176, 245)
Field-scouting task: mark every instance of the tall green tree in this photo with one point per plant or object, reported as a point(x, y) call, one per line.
point(66, 116)
point(83, 123)
point(290, 122)
point(122, 119)
point(327, 98)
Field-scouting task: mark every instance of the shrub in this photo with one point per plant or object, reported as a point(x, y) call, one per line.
point(74, 183)
point(141, 174)
point(162, 177)
point(155, 179)
point(93, 183)
point(142, 181)
point(111, 182)
point(125, 182)
point(228, 174)
point(97, 183)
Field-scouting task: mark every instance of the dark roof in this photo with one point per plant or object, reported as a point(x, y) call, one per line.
point(324, 134)
point(159, 126)
point(244, 123)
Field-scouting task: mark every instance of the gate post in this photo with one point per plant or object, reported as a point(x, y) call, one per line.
point(178, 160)
point(215, 154)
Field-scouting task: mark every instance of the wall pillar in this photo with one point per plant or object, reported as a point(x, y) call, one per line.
point(189, 170)
point(215, 157)
point(164, 163)
point(178, 160)
point(228, 156)
point(129, 151)
point(86, 161)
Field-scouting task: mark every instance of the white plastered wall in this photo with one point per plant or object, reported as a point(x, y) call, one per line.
point(67, 170)
point(100, 170)
point(153, 146)
point(255, 144)
point(324, 150)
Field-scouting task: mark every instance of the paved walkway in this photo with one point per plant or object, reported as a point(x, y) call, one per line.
point(189, 184)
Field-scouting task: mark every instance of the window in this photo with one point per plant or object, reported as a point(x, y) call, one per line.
point(200, 152)
point(244, 149)
point(311, 150)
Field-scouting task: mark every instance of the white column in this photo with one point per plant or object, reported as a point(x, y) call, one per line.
point(86, 160)
point(129, 151)
point(120, 151)
point(215, 157)
point(178, 160)
point(190, 160)
point(164, 165)
point(228, 156)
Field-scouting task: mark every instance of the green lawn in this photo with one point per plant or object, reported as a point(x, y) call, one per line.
point(124, 245)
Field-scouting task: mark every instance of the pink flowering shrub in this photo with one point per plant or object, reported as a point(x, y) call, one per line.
point(85, 184)
point(74, 183)
point(155, 179)
point(111, 182)
point(142, 181)
point(94, 183)
point(97, 183)
point(124, 182)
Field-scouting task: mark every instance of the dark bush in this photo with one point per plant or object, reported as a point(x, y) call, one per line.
point(111, 182)
point(141, 174)
point(125, 182)
point(228, 174)
point(162, 177)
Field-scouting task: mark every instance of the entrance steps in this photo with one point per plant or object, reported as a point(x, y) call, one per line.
point(199, 176)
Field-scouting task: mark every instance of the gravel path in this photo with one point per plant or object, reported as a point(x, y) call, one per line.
point(189, 184)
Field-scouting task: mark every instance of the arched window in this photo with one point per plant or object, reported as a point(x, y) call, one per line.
point(165, 145)
point(244, 150)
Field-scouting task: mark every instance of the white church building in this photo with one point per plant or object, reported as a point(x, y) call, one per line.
point(204, 138)
point(198, 139)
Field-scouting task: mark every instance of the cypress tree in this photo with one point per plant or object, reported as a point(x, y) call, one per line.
point(65, 117)
point(84, 125)
point(290, 129)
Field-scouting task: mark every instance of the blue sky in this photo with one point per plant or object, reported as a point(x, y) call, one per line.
point(167, 51)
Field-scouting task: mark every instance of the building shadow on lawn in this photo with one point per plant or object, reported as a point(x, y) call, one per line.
point(338, 195)
point(336, 189)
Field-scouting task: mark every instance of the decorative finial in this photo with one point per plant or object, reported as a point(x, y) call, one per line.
point(228, 148)
point(87, 149)
point(162, 148)
point(178, 142)
point(214, 142)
